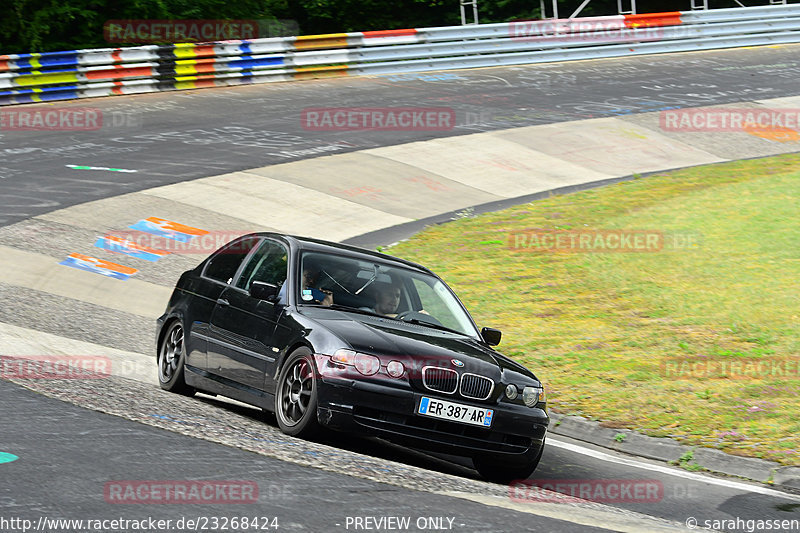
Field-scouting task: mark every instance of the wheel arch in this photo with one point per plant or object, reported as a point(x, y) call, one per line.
point(165, 327)
point(300, 343)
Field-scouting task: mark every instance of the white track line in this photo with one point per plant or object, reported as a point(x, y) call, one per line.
point(738, 485)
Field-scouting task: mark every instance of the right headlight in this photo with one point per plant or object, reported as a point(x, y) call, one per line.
point(533, 395)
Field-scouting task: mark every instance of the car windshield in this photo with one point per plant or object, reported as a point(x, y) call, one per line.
point(375, 287)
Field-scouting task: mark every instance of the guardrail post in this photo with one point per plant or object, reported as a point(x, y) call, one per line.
point(631, 11)
point(543, 10)
point(464, 5)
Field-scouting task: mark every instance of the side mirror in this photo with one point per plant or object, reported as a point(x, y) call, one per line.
point(491, 336)
point(264, 291)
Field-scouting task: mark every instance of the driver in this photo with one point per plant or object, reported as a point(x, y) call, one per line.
point(387, 299)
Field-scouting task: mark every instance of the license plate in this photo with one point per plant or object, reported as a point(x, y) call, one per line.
point(456, 412)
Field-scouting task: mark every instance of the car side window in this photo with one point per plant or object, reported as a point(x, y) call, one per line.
point(268, 264)
point(224, 264)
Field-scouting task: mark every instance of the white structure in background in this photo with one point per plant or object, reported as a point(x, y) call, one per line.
point(465, 4)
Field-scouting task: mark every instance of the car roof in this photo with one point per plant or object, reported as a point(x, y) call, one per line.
point(318, 245)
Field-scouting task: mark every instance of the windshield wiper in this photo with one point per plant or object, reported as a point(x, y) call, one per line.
point(368, 283)
point(431, 325)
point(415, 321)
point(340, 307)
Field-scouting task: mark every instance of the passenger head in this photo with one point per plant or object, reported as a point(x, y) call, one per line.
point(310, 275)
point(387, 298)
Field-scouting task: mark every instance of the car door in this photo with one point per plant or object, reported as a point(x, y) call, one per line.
point(242, 348)
point(216, 274)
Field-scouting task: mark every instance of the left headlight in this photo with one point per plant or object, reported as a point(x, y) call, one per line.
point(366, 364)
point(533, 395)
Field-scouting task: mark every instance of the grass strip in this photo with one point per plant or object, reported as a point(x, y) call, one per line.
point(698, 339)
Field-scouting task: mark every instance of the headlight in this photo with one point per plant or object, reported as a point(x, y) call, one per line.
point(533, 395)
point(365, 364)
point(395, 369)
point(511, 391)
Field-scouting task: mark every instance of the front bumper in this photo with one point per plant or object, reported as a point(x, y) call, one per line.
point(351, 405)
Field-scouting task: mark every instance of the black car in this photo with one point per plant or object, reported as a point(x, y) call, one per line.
point(333, 336)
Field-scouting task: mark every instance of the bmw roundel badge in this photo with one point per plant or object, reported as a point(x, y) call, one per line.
point(457, 363)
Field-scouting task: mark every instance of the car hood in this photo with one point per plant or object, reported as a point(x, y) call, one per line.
point(384, 336)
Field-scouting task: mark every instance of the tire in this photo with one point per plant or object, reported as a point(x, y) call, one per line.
point(296, 395)
point(171, 357)
point(493, 469)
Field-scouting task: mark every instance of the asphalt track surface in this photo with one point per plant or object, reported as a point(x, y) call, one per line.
point(68, 455)
point(67, 452)
point(177, 136)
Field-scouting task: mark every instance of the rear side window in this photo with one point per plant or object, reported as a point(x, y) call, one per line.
point(224, 264)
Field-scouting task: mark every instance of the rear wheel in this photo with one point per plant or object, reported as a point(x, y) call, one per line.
point(171, 357)
point(296, 396)
point(505, 471)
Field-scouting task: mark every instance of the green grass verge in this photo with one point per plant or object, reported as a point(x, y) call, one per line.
point(611, 334)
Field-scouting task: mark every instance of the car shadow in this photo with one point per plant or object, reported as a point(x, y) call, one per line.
point(371, 446)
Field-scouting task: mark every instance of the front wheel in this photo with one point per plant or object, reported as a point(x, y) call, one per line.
point(171, 357)
point(493, 469)
point(296, 395)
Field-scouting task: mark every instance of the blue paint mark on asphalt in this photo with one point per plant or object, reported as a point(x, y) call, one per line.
point(7, 457)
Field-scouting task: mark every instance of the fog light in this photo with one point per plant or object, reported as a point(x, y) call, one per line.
point(532, 395)
point(511, 391)
point(367, 364)
point(395, 369)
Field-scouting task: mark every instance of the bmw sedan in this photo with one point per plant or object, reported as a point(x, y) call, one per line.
point(333, 336)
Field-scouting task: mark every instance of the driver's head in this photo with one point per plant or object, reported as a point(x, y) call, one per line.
point(387, 298)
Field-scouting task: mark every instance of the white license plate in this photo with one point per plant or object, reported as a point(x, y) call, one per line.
point(456, 412)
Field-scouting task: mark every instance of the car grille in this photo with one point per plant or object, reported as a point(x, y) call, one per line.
point(476, 387)
point(440, 379)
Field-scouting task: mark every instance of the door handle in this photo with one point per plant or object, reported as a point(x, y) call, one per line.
point(223, 302)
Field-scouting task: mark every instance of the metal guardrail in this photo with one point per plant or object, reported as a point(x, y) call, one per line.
point(111, 71)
